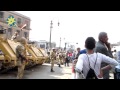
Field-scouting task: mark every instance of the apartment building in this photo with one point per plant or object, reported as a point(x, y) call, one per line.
point(20, 21)
point(45, 44)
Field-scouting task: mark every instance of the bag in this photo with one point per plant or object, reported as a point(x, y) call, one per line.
point(91, 73)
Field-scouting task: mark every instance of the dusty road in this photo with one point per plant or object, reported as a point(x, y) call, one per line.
point(41, 72)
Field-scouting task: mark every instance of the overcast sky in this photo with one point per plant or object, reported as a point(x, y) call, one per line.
point(75, 26)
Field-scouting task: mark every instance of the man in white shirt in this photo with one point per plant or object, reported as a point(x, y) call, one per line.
point(93, 60)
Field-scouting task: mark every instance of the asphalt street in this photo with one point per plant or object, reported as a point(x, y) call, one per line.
point(43, 72)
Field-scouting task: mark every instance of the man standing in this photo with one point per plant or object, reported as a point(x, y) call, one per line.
point(20, 53)
point(53, 58)
point(74, 55)
point(78, 53)
point(67, 59)
point(60, 59)
point(103, 46)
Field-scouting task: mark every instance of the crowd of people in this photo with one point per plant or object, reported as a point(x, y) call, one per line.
point(95, 61)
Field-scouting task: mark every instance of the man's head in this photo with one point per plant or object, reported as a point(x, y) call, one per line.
point(23, 40)
point(54, 50)
point(78, 49)
point(103, 37)
point(90, 43)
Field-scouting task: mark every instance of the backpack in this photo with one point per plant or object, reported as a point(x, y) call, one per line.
point(91, 73)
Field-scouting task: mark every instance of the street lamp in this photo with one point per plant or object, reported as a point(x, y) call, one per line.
point(58, 23)
point(50, 32)
point(60, 37)
point(65, 46)
point(60, 43)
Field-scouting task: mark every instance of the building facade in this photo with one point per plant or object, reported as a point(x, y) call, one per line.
point(20, 21)
point(44, 44)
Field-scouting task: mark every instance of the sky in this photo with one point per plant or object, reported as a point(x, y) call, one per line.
point(75, 26)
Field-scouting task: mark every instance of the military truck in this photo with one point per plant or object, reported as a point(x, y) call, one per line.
point(8, 59)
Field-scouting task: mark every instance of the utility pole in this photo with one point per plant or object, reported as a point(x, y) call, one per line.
point(60, 37)
point(65, 46)
point(50, 34)
point(60, 43)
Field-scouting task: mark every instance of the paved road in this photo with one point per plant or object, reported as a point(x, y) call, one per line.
point(41, 72)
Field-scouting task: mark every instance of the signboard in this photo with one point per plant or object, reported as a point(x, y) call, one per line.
point(11, 21)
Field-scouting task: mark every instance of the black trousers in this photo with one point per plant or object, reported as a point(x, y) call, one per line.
point(67, 62)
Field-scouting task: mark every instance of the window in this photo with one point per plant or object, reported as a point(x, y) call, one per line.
point(26, 22)
point(1, 27)
point(9, 32)
point(25, 34)
point(1, 14)
point(19, 21)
